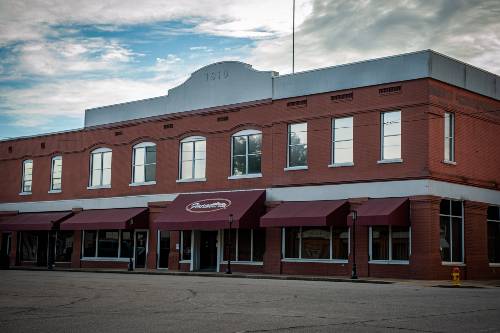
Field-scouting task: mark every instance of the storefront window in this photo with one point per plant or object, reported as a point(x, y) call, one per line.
point(390, 243)
point(247, 244)
point(107, 244)
point(127, 244)
point(29, 246)
point(451, 226)
point(64, 246)
point(186, 245)
point(494, 234)
point(316, 243)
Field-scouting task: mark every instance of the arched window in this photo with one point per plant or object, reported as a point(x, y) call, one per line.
point(144, 163)
point(100, 168)
point(192, 159)
point(56, 173)
point(27, 179)
point(246, 151)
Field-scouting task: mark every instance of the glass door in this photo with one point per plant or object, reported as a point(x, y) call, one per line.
point(163, 248)
point(141, 248)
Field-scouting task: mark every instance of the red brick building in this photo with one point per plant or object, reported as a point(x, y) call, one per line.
point(410, 143)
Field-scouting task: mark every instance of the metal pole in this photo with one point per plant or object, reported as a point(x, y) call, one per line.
point(228, 270)
point(293, 39)
point(354, 274)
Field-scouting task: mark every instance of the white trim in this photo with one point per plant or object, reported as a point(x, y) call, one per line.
point(250, 263)
point(338, 165)
point(153, 182)
point(394, 160)
point(250, 175)
point(247, 132)
point(144, 144)
point(98, 187)
point(25, 193)
point(324, 261)
point(389, 262)
point(494, 264)
point(184, 261)
point(300, 167)
point(193, 138)
point(449, 162)
point(399, 188)
point(54, 191)
point(191, 180)
point(105, 259)
point(453, 263)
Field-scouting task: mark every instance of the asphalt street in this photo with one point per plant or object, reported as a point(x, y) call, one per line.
point(43, 301)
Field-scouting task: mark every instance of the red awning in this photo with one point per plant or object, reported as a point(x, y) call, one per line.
point(32, 221)
point(386, 211)
point(307, 213)
point(210, 211)
point(117, 218)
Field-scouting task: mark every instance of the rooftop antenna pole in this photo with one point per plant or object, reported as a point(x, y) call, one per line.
point(293, 39)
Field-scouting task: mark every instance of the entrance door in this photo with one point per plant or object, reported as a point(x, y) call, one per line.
point(141, 247)
point(208, 250)
point(5, 244)
point(163, 248)
point(43, 243)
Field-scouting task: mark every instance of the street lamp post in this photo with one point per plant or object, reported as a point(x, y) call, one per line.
point(354, 274)
point(230, 244)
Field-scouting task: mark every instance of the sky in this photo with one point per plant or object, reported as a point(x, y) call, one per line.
point(60, 57)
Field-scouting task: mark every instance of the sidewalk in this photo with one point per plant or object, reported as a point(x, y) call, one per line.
point(422, 283)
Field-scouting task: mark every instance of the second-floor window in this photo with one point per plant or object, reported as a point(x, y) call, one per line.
point(56, 173)
point(246, 153)
point(144, 163)
point(193, 156)
point(342, 145)
point(27, 180)
point(391, 135)
point(100, 167)
point(449, 134)
point(297, 145)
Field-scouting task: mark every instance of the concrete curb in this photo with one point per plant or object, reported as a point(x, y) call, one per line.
point(217, 275)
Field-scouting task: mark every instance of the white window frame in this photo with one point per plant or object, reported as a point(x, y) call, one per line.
point(236, 247)
point(399, 159)
point(333, 163)
point(193, 140)
point(496, 263)
point(450, 216)
point(118, 258)
point(101, 151)
point(300, 259)
point(390, 261)
point(298, 167)
point(246, 133)
point(449, 120)
point(52, 163)
point(138, 146)
point(23, 179)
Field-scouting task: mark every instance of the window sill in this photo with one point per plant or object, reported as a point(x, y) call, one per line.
point(98, 187)
point(142, 184)
point(253, 263)
point(301, 167)
point(105, 259)
point(54, 191)
point(450, 263)
point(324, 261)
point(191, 180)
point(25, 193)
point(251, 175)
point(494, 264)
point(389, 262)
point(184, 261)
point(339, 165)
point(394, 160)
point(449, 162)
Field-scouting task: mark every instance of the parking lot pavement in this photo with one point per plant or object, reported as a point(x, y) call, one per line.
point(43, 301)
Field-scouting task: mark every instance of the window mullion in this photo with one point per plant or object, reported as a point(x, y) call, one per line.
point(246, 154)
point(300, 242)
point(390, 244)
point(236, 254)
point(251, 244)
point(331, 242)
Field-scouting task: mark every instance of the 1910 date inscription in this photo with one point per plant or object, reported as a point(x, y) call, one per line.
point(218, 75)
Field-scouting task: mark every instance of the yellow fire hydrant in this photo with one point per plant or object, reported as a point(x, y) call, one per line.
point(455, 276)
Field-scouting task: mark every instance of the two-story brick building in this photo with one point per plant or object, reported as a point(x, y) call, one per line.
point(266, 170)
